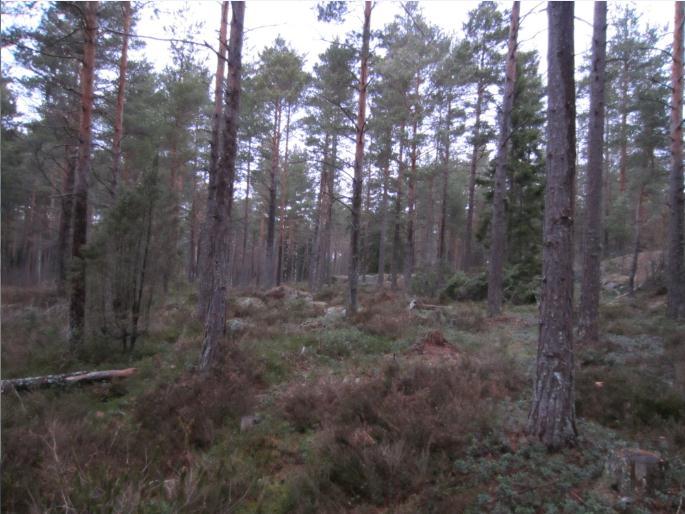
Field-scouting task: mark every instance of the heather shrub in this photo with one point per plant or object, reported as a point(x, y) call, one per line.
point(382, 438)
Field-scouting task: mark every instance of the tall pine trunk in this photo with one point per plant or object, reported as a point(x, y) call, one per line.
point(552, 415)
point(442, 242)
point(409, 246)
point(215, 320)
point(639, 215)
point(314, 257)
point(280, 268)
point(499, 215)
point(468, 236)
point(269, 274)
point(205, 275)
point(246, 215)
point(66, 213)
point(592, 247)
point(675, 305)
point(397, 237)
point(121, 97)
point(77, 300)
point(383, 213)
point(359, 161)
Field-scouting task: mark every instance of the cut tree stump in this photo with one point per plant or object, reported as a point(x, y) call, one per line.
point(64, 379)
point(636, 472)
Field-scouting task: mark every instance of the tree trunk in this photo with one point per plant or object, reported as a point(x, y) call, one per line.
point(283, 202)
point(205, 278)
point(409, 247)
point(121, 98)
point(359, 162)
point(325, 267)
point(66, 213)
point(499, 215)
point(269, 274)
point(623, 152)
point(246, 212)
point(215, 319)
point(552, 415)
point(442, 248)
point(397, 238)
point(383, 221)
point(675, 305)
point(77, 300)
point(468, 236)
point(592, 247)
point(314, 258)
point(639, 215)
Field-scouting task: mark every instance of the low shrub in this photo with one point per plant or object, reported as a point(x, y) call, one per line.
point(383, 438)
point(623, 398)
point(518, 286)
point(385, 314)
point(466, 287)
point(187, 413)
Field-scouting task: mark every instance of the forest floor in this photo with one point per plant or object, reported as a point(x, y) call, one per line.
point(396, 410)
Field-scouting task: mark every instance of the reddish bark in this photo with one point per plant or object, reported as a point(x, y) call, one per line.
point(77, 300)
point(499, 215)
point(121, 98)
point(676, 267)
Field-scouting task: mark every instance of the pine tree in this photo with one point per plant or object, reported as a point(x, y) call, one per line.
point(552, 414)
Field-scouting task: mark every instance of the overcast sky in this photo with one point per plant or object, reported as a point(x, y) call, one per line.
point(296, 22)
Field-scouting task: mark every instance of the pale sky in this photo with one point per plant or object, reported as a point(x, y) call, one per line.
point(296, 22)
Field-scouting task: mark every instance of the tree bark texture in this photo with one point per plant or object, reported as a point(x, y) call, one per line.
point(639, 215)
point(280, 268)
point(468, 236)
point(499, 215)
point(66, 213)
point(409, 245)
point(215, 320)
point(442, 248)
point(397, 237)
point(552, 415)
point(269, 274)
point(675, 303)
point(77, 298)
point(383, 212)
point(205, 279)
point(121, 98)
point(359, 162)
point(592, 247)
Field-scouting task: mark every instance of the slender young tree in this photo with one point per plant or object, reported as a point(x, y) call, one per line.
point(215, 319)
point(589, 293)
point(676, 268)
point(499, 215)
point(77, 298)
point(552, 415)
point(359, 161)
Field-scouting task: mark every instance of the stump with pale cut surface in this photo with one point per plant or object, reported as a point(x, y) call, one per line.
point(636, 472)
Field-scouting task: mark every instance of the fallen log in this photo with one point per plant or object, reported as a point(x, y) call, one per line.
point(414, 304)
point(64, 379)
